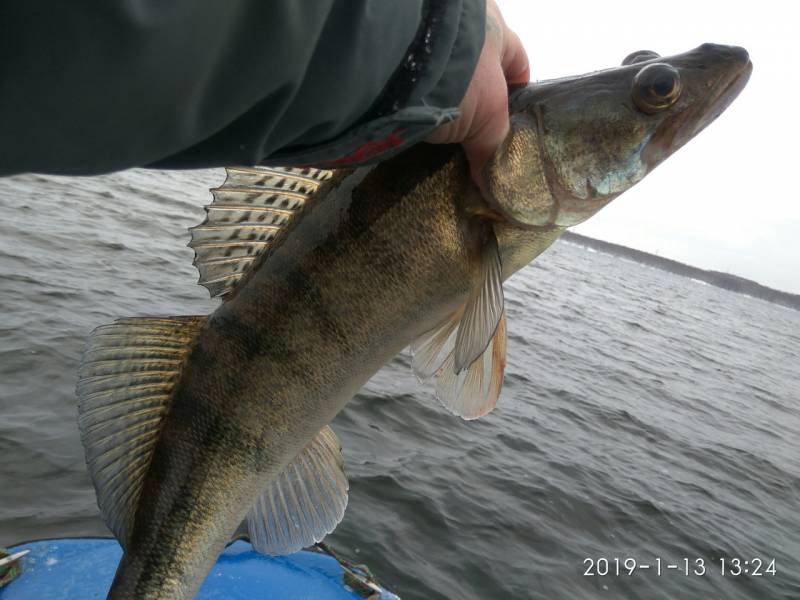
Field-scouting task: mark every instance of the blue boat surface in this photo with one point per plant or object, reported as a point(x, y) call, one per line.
point(77, 568)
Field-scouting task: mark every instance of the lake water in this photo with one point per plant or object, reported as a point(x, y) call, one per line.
point(644, 415)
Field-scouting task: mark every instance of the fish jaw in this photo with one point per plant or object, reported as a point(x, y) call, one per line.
point(577, 143)
point(716, 75)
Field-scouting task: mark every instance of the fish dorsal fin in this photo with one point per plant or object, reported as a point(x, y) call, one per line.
point(125, 384)
point(248, 211)
point(305, 502)
point(466, 353)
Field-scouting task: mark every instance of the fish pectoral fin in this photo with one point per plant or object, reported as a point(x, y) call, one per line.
point(305, 502)
point(473, 393)
point(125, 383)
point(466, 353)
point(249, 210)
point(431, 349)
point(483, 310)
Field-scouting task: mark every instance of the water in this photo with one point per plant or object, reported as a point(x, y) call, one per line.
point(643, 415)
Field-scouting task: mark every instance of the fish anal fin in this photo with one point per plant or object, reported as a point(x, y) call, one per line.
point(125, 384)
point(305, 502)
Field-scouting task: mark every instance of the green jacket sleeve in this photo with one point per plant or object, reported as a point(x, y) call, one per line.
point(91, 86)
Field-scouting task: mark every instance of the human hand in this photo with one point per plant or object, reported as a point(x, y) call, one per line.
point(483, 123)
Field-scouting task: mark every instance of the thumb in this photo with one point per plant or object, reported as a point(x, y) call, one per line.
point(515, 60)
point(490, 124)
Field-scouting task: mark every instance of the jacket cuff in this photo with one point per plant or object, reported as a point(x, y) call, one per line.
point(423, 93)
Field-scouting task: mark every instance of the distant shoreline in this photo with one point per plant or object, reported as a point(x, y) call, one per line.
point(726, 281)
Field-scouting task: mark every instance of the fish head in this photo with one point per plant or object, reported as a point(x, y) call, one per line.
point(577, 143)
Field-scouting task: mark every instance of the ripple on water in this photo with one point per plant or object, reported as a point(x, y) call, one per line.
point(643, 415)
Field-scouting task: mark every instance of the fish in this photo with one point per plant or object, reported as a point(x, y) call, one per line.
point(193, 425)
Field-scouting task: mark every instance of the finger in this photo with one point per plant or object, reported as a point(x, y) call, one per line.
point(515, 60)
point(480, 148)
point(488, 133)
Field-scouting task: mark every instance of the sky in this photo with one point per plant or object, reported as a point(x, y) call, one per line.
point(729, 199)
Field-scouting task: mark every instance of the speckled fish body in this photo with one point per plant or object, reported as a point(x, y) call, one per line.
point(377, 258)
point(332, 304)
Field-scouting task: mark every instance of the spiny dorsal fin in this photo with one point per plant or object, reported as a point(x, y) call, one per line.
point(305, 502)
point(475, 335)
point(127, 374)
point(248, 211)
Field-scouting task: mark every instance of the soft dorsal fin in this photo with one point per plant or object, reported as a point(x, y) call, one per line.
point(126, 380)
point(305, 502)
point(466, 353)
point(127, 374)
point(247, 213)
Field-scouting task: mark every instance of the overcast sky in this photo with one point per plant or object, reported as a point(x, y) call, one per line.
point(729, 200)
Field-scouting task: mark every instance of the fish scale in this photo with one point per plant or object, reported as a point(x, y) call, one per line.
point(193, 424)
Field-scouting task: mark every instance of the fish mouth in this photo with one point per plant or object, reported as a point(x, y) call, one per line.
point(726, 95)
point(735, 67)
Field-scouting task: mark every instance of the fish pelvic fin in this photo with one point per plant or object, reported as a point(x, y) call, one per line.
point(125, 385)
point(249, 210)
point(305, 502)
point(466, 353)
point(473, 392)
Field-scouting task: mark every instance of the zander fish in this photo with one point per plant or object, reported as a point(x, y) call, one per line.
point(193, 424)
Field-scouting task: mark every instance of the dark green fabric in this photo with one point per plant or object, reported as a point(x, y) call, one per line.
point(94, 86)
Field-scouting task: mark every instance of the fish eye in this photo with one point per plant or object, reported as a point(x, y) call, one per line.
point(639, 56)
point(656, 87)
